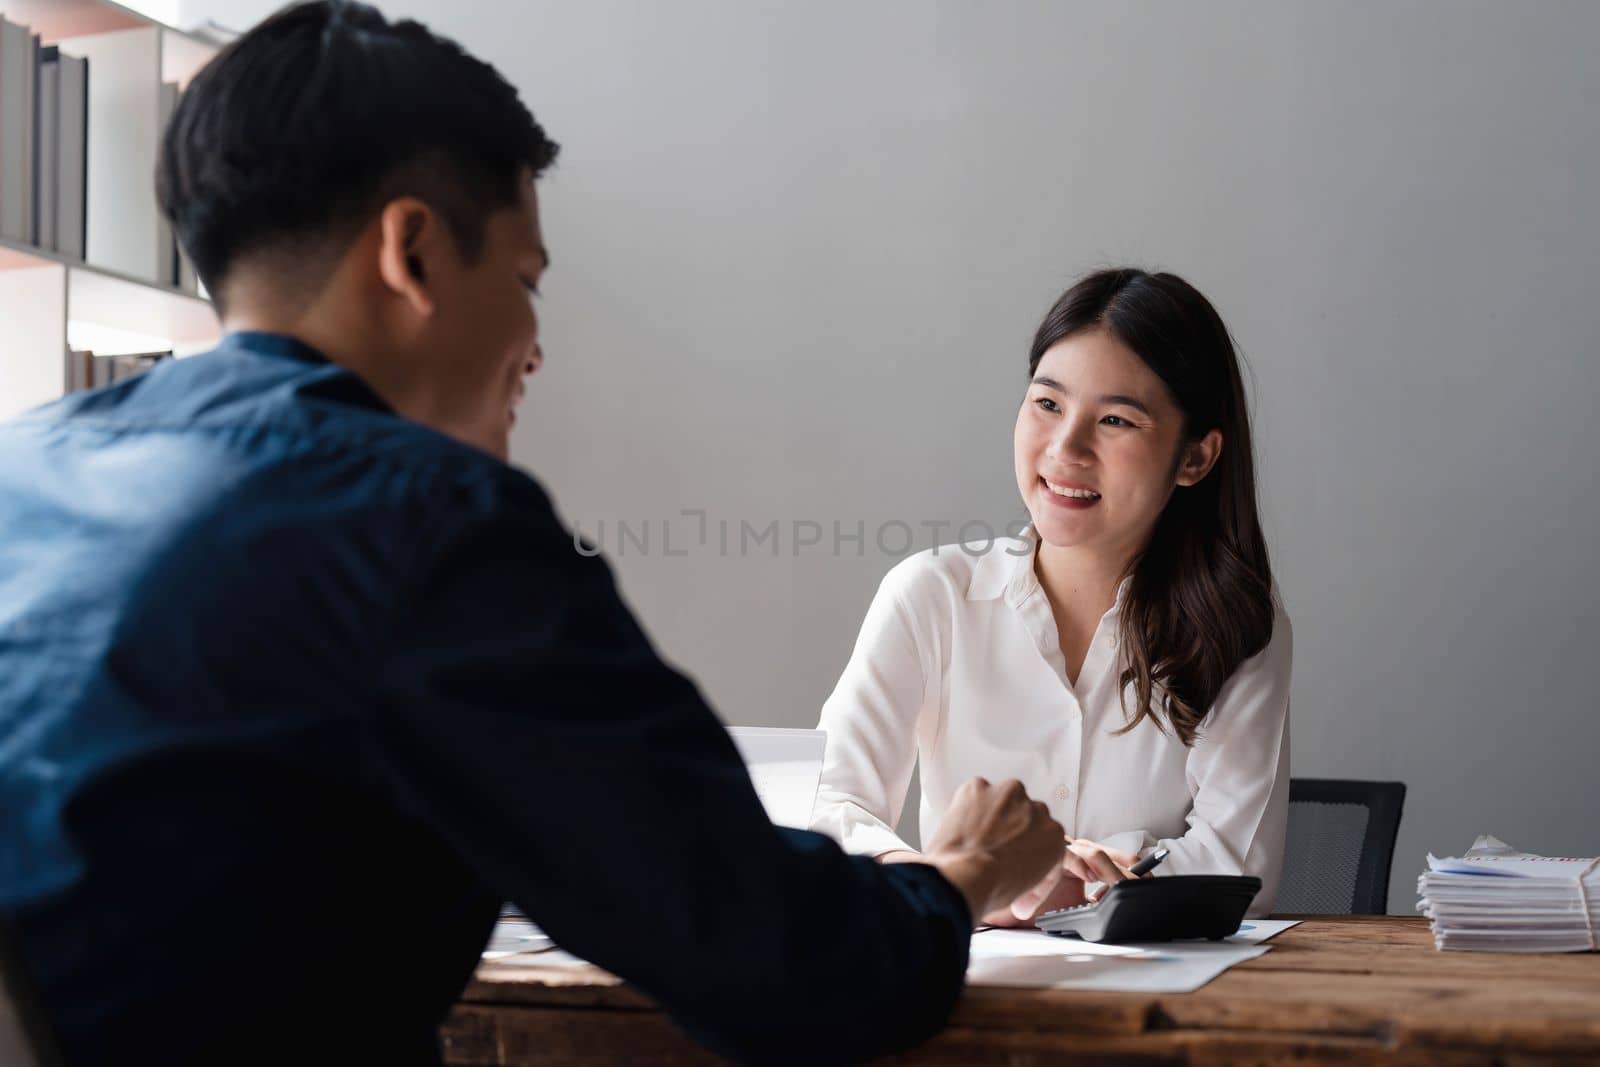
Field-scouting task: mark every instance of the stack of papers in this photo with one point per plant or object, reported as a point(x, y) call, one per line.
point(1496, 899)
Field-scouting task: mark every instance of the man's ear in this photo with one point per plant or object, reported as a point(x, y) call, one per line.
point(408, 245)
point(1199, 457)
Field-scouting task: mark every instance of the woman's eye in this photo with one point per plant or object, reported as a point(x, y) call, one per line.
point(1047, 404)
point(1116, 420)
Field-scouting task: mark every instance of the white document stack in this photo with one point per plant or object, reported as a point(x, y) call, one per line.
point(1496, 899)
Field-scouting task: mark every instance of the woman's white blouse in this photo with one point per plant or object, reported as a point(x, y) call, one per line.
point(958, 664)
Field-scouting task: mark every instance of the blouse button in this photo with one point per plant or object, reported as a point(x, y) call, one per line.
point(1061, 794)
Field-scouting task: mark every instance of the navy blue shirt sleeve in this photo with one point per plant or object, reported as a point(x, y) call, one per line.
point(528, 720)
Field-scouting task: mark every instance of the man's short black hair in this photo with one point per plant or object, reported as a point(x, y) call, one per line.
point(296, 134)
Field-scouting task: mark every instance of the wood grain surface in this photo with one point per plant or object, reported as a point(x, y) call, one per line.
point(1333, 990)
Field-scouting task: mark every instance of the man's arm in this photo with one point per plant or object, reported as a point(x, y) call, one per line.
point(528, 720)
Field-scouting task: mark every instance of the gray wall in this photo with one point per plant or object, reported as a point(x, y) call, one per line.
point(800, 248)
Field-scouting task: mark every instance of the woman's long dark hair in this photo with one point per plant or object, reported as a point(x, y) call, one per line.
point(1200, 602)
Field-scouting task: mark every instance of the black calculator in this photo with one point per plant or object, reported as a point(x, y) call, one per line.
point(1178, 906)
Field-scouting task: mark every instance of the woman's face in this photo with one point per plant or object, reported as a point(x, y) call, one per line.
point(1099, 447)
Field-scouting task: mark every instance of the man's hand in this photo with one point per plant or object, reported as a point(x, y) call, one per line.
point(994, 843)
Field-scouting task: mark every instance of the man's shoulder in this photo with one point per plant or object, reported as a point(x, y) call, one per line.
point(307, 418)
point(220, 448)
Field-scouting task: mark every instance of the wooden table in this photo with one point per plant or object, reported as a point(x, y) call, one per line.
point(1334, 990)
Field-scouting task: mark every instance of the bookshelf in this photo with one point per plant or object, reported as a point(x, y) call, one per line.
point(124, 295)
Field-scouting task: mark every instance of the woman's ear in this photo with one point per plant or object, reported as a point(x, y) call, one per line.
point(1199, 457)
point(407, 238)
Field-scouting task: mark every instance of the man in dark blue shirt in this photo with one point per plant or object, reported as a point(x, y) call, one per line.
point(299, 679)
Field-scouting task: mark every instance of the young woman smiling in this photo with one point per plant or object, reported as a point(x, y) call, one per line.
point(1126, 658)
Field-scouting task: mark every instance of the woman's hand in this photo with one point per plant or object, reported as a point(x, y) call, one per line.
point(1091, 861)
point(1085, 861)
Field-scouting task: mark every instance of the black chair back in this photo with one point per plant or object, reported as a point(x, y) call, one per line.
point(1340, 846)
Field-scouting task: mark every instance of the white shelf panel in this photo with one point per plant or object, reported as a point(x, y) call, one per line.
point(33, 344)
point(17, 256)
point(122, 306)
point(182, 57)
point(55, 19)
point(18, 259)
point(115, 302)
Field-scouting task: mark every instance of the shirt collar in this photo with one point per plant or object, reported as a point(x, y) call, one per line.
point(1007, 570)
point(340, 383)
point(1007, 564)
point(274, 344)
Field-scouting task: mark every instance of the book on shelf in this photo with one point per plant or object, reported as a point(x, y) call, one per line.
point(166, 241)
point(44, 109)
point(19, 57)
point(85, 370)
point(47, 129)
point(80, 370)
point(30, 158)
point(172, 266)
point(71, 165)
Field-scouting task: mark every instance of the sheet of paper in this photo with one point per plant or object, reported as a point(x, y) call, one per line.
point(1493, 857)
point(500, 954)
point(785, 766)
point(1026, 942)
point(999, 942)
point(1035, 959)
point(550, 957)
point(513, 937)
point(495, 950)
point(1255, 931)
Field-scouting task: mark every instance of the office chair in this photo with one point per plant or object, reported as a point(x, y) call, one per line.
point(25, 1039)
point(1340, 846)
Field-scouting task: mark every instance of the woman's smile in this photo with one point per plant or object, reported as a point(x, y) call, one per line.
point(1069, 494)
